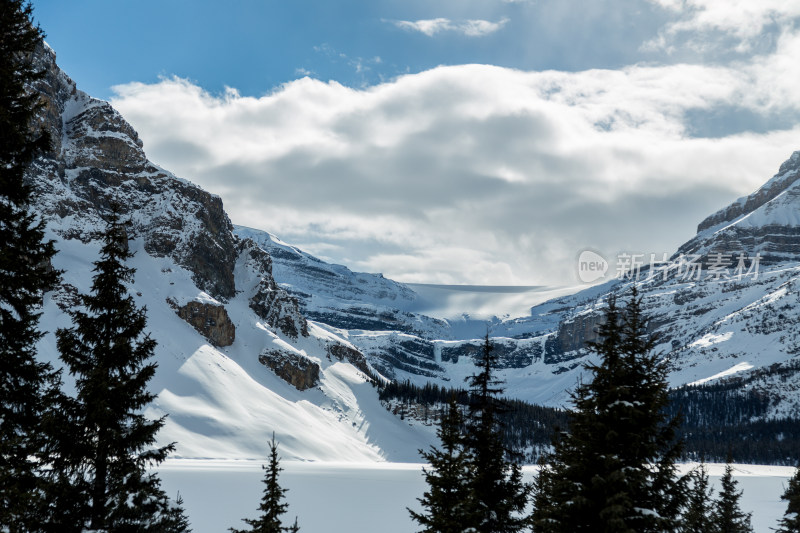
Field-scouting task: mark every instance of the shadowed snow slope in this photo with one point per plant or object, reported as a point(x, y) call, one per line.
point(219, 385)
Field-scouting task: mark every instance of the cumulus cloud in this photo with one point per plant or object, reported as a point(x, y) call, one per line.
point(470, 28)
point(705, 24)
point(475, 173)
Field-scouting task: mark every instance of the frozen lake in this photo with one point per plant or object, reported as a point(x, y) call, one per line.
point(353, 498)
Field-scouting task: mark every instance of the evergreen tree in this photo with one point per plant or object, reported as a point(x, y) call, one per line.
point(728, 516)
point(447, 496)
point(614, 469)
point(107, 442)
point(173, 517)
point(790, 523)
point(497, 496)
point(699, 513)
point(272, 504)
point(26, 385)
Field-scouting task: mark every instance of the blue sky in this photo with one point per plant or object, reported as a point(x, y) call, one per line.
point(255, 45)
point(452, 141)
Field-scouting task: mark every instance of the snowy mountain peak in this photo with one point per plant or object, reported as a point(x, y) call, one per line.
point(237, 359)
point(767, 222)
point(786, 177)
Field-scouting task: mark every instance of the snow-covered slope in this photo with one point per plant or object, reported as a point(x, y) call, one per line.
point(713, 325)
point(257, 336)
point(237, 360)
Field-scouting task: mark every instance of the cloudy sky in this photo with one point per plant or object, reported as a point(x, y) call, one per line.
point(452, 141)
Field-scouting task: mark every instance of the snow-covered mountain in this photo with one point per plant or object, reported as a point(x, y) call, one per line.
point(725, 304)
point(255, 335)
point(237, 358)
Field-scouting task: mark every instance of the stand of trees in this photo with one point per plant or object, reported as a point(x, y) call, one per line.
point(474, 483)
point(614, 468)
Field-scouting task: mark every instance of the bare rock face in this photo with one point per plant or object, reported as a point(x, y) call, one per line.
point(787, 175)
point(351, 355)
point(211, 321)
point(97, 159)
point(510, 354)
point(764, 223)
point(574, 333)
point(300, 372)
point(270, 302)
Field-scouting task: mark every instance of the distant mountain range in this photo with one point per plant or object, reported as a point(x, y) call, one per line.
point(257, 336)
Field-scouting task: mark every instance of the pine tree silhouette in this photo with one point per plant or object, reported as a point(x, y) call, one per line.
point(698, 517)
point(498, 495)
point(728, 516)
point(107, 443)
point(447, 497)
point(790, 523)
point(272, 505)
point(614, 469)
point(27, 386)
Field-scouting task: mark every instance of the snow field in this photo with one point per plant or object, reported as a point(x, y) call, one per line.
point(370, 497)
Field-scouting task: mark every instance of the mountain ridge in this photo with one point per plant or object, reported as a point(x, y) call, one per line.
point(256, 335)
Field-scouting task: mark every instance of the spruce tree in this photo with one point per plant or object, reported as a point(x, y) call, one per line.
point(446, 499)
point(107, 442)
point(728, 516)
point(26, 385)
point(790, 523)
point(614, 469)
point(173, 516)
point(698, 517)
point(272, 505)
point(498, 496)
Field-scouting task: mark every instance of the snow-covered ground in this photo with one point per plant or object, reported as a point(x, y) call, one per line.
point(369, 497)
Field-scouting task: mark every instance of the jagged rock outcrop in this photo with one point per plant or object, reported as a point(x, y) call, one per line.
point(339, 297)
point(788, 174)
point(300, 372)
point(510, 353)
point(351, 355)
point(98, 159)
point(273, 304)
point(572, 335)
point(211, 321)
point(766, 222)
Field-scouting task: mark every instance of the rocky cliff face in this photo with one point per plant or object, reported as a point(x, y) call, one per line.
point(298, 371)
point(222, 386)
point(766, 222)
point(269, 301)
point(211, 321)
point(97, 160)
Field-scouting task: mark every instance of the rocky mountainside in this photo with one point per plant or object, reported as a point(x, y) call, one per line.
point(726, 304)
point(257, 336)
point(725, 307)
point(237, 357)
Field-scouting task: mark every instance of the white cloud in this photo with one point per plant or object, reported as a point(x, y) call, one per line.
point(476, 173)
point(470, 28)
point(743, 20)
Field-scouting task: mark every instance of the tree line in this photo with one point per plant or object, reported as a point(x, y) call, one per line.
point(715, 419)
point(611, 468)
